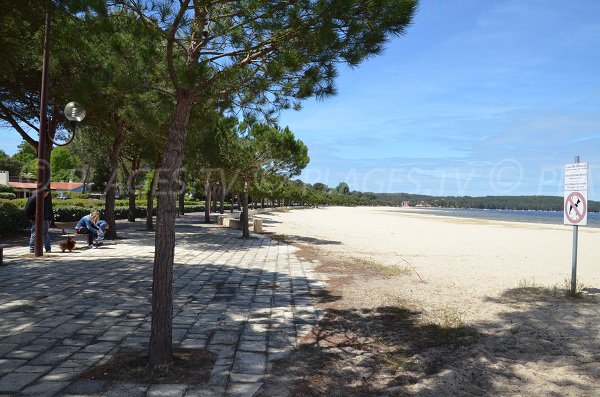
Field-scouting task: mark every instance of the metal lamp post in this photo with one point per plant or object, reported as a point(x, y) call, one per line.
point(75, 113)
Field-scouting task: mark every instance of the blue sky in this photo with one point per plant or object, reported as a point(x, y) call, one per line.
point(480, 97)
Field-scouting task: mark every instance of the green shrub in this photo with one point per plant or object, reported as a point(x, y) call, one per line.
point(8, 204)
point(70, 213)
point(86, 203)
point(193, 208)
point(12, 218)
point(20, 203)
point(6, 189)
point(7, 196)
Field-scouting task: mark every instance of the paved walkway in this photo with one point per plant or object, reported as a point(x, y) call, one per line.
point(247, 300)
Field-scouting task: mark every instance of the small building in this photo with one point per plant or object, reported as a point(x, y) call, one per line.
point(25, 187)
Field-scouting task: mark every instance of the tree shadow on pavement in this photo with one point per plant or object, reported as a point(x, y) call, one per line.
point(93, 301)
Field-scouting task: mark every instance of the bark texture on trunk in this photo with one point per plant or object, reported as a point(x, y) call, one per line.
point(244, 218)
point(215, 196)
point(131, 182)
point(208, 201)
point(109, 199)
point(86, 173)
point(161, 337)
point(150, 198)
point(183, 180)
point(222, 198)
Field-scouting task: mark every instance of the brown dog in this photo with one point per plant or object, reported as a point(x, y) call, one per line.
point(68, 244)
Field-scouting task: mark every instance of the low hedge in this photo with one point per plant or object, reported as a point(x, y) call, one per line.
point(7, 196)
point(12, 217)
point(72, 213)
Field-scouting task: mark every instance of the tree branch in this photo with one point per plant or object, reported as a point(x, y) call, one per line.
point(7, 116)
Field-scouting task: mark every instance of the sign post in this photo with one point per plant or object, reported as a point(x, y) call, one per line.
point(575, 211)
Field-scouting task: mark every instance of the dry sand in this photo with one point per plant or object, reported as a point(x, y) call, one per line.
point(506, 279)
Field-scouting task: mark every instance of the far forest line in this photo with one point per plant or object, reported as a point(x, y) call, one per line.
point(536, 203)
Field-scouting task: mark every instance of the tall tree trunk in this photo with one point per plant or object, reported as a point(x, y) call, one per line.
point(244, 217)
point(208, 200)
point(86, 173)
point(131, 182)
point(222, 198)
point(215, 194)
point(150, 198)
point(262, 202)
point(182, 192)
point(161, 336)
point(109, 199)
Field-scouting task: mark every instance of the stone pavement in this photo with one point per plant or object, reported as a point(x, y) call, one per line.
point(246, 300)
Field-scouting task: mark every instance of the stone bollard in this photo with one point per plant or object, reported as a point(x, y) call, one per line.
point(257, 225)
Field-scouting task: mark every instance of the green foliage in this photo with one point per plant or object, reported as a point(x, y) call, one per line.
point(65, 165)
point(74, 213)
point(69, 213)
point(6, 189)
point(12, 218)
point(342, 188)
point(78, 202)
point(7, 196)
point(12, 165)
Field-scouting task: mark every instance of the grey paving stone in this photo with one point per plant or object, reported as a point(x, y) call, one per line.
point(86, 387)
point(126, 390)
point(38, 369)
point(44, 389)
point(243, 389)
point(54, 355)
point(175, 390)
point(63, 373)
point(9, 364)
point(219, 375)
point(205, 391)
point(101, 347)
point(7, 347)
point(253, 346)
point(249, 363)
point(225, 338)
point(244, 378)
point(21, 338)
point(15, 381)
point(23, 354)
point(194, 343)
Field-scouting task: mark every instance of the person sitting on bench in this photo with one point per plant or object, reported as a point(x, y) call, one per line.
point(88, 224)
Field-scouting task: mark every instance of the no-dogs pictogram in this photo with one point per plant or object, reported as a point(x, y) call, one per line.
point(576, 208)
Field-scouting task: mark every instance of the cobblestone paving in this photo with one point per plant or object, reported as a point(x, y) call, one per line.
point(246, 300)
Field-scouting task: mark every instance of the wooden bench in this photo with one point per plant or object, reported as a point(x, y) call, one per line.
point(68, 230)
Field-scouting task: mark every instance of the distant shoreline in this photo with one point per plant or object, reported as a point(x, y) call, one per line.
point(524, 216)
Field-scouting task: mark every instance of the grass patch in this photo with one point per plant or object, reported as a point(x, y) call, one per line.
point(449, 328)
point(579, 287)
point(381, 269)
point(531, 288)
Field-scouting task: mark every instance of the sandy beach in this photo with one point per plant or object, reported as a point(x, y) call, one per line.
point(505, 279)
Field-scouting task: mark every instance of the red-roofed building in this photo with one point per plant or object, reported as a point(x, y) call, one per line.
point(24, 187)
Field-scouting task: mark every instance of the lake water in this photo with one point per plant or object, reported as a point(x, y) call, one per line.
point(550, 217)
